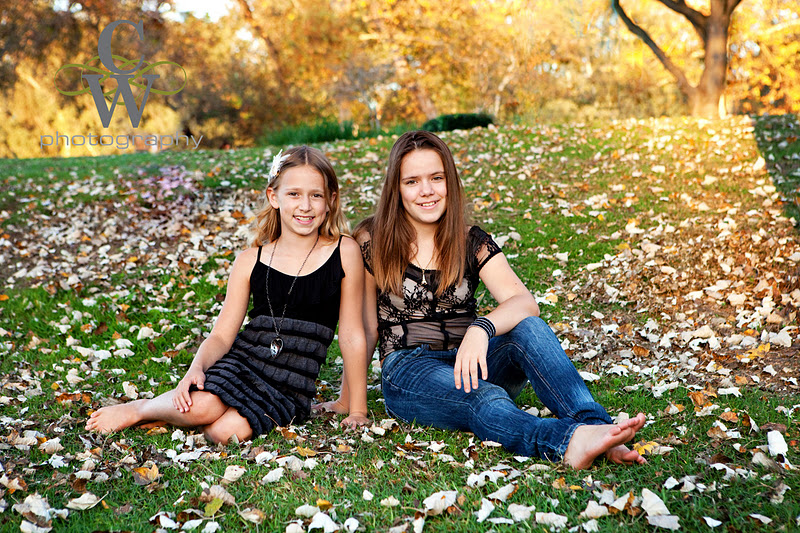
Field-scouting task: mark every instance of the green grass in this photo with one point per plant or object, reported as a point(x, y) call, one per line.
point(543, 183)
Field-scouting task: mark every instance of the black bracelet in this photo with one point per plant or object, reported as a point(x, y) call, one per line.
point(486, 325)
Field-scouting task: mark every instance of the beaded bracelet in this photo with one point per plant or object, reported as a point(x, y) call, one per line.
point(486, 325)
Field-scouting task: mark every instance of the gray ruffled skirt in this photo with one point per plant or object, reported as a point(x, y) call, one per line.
point(269, 391)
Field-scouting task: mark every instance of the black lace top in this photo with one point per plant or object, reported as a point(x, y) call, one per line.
point(418, 316)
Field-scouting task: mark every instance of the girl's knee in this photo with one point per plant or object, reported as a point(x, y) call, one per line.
point(217, 435)
point(221, 431)
point(532, 326)
point(491, 398)
point(222, 435)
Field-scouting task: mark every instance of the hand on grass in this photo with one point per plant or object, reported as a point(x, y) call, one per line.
point(356, 420)
point(337, 407)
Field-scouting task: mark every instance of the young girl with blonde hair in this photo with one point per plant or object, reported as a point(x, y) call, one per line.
point(444, 366)
point(305, 276)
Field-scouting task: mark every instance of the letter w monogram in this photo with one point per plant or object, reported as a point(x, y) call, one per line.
point(124, 87)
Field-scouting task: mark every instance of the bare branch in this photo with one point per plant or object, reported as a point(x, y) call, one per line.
point(698, 20)
point(731, 6)
point(683, 83)
point(783, 26)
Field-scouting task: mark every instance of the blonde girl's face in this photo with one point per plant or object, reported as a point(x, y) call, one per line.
point(423, 187)
point(300, 200)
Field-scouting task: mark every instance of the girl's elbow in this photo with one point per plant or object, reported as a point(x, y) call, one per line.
point(532, 307)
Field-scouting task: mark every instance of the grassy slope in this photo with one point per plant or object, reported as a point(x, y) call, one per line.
point(530, 180)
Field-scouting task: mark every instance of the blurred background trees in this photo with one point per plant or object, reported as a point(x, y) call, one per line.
point(270, 64)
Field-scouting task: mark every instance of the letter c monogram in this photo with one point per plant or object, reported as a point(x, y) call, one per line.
point(104, 46)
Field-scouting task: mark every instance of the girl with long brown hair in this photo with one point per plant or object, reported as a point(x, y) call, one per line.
point(305, 276)
point(444, 366)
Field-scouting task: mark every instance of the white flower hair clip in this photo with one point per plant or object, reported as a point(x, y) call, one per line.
point(277, 161)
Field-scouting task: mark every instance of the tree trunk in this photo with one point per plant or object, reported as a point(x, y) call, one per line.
point(424, 101)
point(705, 100)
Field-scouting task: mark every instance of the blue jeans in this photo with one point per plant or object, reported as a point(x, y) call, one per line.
point(418, 385)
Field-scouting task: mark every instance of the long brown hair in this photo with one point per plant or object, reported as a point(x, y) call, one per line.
point(392, 235)
point(268, 220)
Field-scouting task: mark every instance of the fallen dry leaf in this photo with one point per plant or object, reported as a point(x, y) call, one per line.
point(391, 501)
point(503, 493)
point(323, 505)
point(520, 512)
point(251, 514)
point(556, 521)
point(87, 500)
point(217, 492)
point(486, 509)
point(305, 452)
point(306, 511)
point(670, 522)
point(273, 475)
point(776, 443)
point(324, 522)
point(652, 504)
point(233, 473)
point(51, 446)
point(438, 502)
point(144, 475)
point(594, 510)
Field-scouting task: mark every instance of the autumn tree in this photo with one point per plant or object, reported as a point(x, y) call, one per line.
point(765, 58)
point(712, 28)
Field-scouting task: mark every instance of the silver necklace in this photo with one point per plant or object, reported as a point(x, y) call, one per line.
point(426, 267)
point(276, 346)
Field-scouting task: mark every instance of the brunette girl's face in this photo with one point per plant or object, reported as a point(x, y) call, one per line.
point(423, 187)
point(300, 200)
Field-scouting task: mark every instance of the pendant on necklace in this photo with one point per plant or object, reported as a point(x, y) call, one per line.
point(276, 346)
point(423, 276)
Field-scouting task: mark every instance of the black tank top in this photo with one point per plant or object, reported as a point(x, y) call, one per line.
point(315, 297)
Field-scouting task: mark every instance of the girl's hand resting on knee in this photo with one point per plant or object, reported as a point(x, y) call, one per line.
point(470, 357)
point(182, 400)
point(356, 420)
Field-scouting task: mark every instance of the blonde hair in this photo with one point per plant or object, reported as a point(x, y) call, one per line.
point(392, 234)
point(268, 220)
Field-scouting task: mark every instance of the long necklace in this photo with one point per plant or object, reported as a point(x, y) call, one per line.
point(276, 346)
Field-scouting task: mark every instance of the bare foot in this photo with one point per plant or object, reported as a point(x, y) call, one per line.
point(115, 417)
point(331, 407)
point(624, 456)
point(636, 423)
point(589, 442)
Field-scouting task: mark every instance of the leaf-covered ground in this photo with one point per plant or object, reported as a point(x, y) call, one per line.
point(663, 252)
